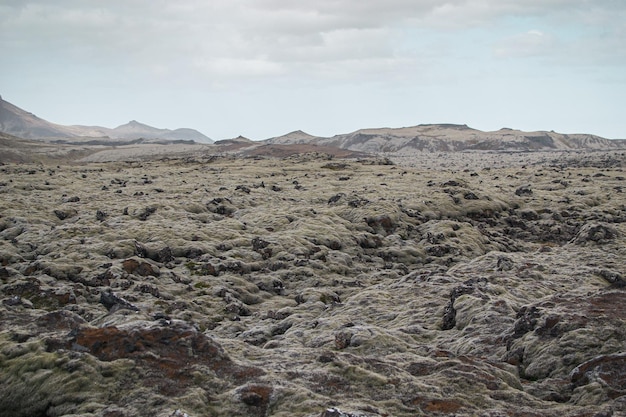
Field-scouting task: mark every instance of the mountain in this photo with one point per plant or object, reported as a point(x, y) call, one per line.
point(452, 137)
point(18, 122)
point(296, 137)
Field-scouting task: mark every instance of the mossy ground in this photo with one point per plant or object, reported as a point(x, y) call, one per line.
point(451, 286)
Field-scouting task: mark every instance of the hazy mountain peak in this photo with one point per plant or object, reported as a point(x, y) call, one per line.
point(295, 137)
point(134, 124)
point(21, 123)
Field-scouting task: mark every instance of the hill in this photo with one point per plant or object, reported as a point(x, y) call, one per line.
point(18, 122)
point(452, 137)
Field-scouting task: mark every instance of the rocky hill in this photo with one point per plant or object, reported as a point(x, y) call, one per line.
point(450, 137)
point(18, 122)
point(297, 137)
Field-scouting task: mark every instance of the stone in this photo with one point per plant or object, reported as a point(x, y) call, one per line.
point(146, 212)
point(608, 370)
point(171, 353)
point(101, 215)
point(342, 339)
point(141, 268)
point(449, 314)
point(114, 302)
point(524, 191)
point(595, 233)
point(336, 412)
point(65, 214)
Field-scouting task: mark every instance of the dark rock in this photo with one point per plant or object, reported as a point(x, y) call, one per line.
point(147, 212)
point(61, 320)
point(449, 313)
point(221, 206)
point(276, 286)
point(281, 328)
point(161, 316)
point(504, 263)
point(115, 302)
point(524, 191)
point(358, 202)
point(383, 222)
point(470, 196)
point(238, 309)
point(278, 315)
point(101, 215)
point(526, 321)
point(148, 289)
point(256, 395)
point(100, 280)
point(171, 353)
point(452, 183)
point(144, 269)
point(326, 357)
point(335, 166)
point(335, 412)
point(164, 255)
point(550, 327)
point(65, 214)
point(16, 300)
point(608, 370)
point(595, 233)
point(261, 246)
point(334, 199)
point(614, 278)
point(440, 250)
point(30, 294)
point(73, 199)
point(342, 339)
point(243, 188)
point(529, 215)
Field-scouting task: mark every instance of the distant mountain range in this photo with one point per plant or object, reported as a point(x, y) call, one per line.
point(448, 138)
point(18, 122)
point(406, 140)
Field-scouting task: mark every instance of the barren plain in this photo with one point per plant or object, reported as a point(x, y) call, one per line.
point(451, 284)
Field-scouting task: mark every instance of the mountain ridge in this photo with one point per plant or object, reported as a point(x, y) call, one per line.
point(21, 123)
point(448, 137)
point(439, 137)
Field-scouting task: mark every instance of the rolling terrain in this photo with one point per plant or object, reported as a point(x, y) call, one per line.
point(435, 270)
point(465, 284)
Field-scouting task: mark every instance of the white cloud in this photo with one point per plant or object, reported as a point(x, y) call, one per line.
point(227, 67)
point(528, 44)
point(274, 35)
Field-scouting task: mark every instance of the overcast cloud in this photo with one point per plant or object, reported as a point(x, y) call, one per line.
point(262, 68)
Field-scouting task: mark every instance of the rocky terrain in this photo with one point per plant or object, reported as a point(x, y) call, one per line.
point(305, 284)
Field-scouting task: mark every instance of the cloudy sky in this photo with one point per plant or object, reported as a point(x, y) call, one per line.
point(262, 68)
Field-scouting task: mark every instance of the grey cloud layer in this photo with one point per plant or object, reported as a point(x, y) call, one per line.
point(233, 38)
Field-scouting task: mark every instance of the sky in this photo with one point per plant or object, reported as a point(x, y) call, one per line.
point(263, 68)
